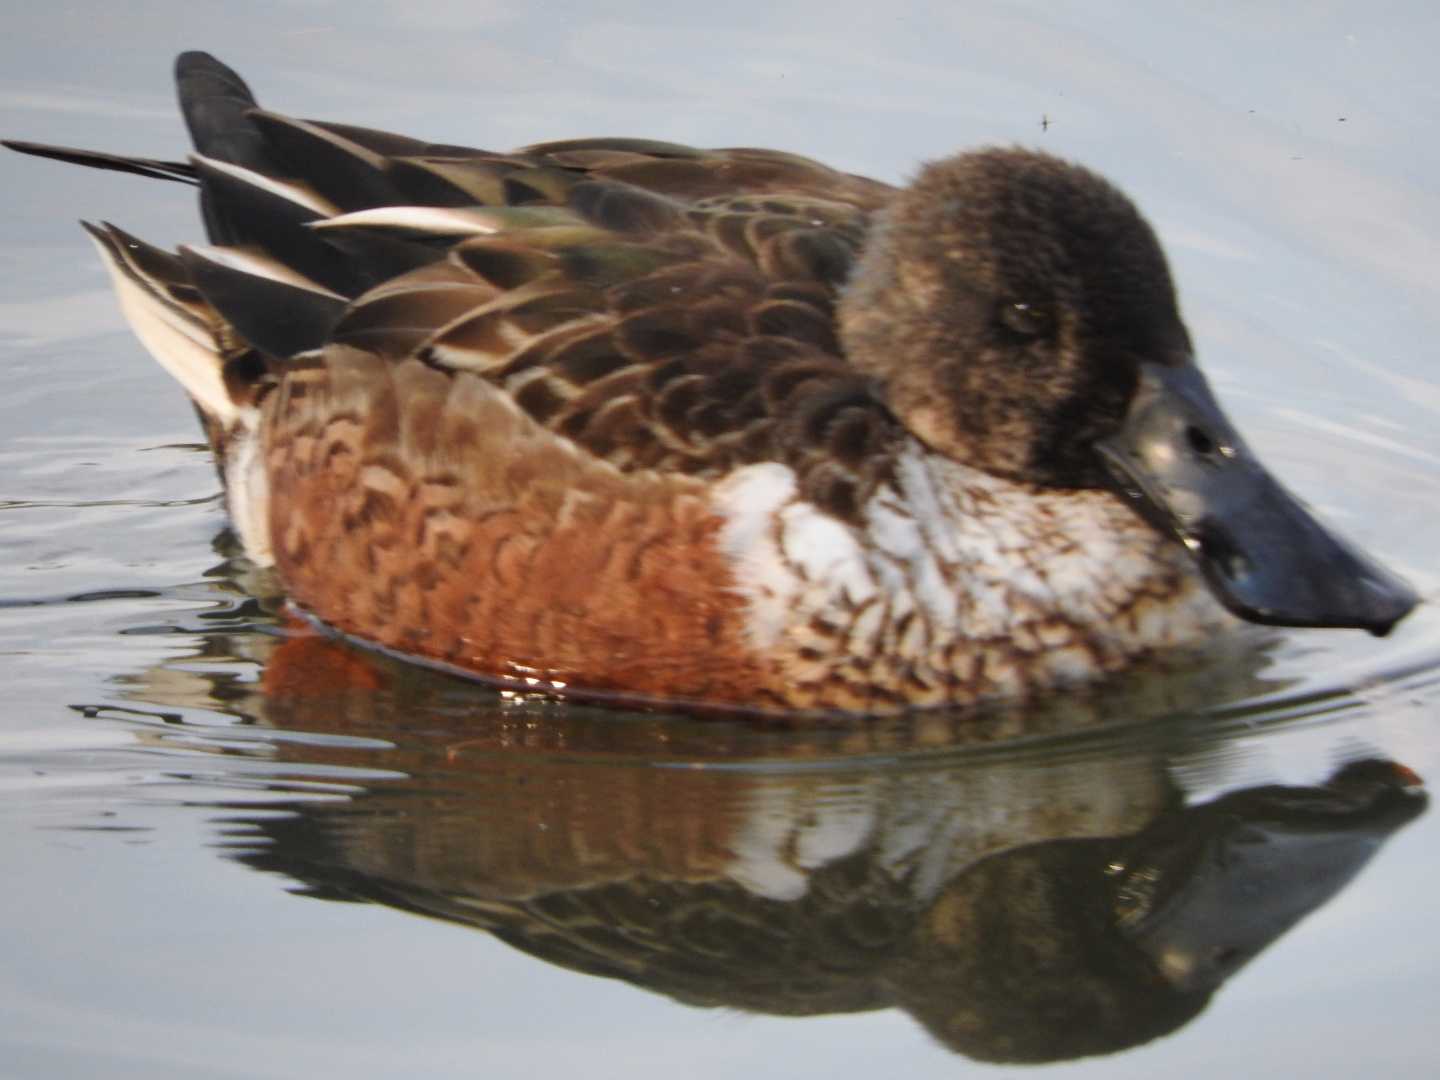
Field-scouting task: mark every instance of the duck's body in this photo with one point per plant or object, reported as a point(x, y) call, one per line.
point(719, 427)
point(458, 529)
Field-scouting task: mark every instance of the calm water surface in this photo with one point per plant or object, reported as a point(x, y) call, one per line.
point(231, 854)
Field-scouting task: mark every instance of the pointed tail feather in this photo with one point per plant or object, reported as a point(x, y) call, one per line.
point(171, 319)
point(214, 101)
point(180, 171)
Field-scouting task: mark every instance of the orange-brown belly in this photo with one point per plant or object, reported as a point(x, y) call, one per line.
point(456, 538)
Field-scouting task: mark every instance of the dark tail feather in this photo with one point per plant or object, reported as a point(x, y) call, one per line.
point(278, 317)
point(180, 171)
point(215, 103)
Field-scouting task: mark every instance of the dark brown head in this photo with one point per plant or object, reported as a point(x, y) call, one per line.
point(1007, 303)
point(1019, 316)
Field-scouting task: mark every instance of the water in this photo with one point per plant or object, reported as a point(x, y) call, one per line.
point(218, 868)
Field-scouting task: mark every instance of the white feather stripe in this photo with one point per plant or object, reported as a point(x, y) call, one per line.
point(247, 488)
point(171, 337)
point(440, 220)
point(290, 190)
point(185, 317)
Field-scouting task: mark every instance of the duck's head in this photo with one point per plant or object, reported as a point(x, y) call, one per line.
point(1020, 316)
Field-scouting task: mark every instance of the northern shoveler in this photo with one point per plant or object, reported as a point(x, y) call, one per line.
point(719, 427)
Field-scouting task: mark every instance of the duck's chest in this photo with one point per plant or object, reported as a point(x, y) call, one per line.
point(953, 586)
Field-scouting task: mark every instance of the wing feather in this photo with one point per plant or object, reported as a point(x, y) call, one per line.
point(659, 306)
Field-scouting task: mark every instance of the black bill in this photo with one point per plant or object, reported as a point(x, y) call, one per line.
point(1264, 555)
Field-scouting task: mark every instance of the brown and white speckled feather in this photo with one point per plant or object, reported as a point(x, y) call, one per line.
point(954, 586)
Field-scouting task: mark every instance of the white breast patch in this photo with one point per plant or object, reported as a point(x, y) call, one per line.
point(948, 555)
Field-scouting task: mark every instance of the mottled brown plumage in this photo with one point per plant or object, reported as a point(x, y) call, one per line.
point(443, 505)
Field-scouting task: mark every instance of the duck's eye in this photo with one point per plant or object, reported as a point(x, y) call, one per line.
point(1027, 320)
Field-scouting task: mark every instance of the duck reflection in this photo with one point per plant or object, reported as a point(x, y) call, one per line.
point(1028, 905)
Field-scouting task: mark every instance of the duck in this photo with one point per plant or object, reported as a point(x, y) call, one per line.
point(721, 430)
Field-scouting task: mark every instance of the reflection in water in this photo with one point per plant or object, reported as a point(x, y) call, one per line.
point(1023, 905)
